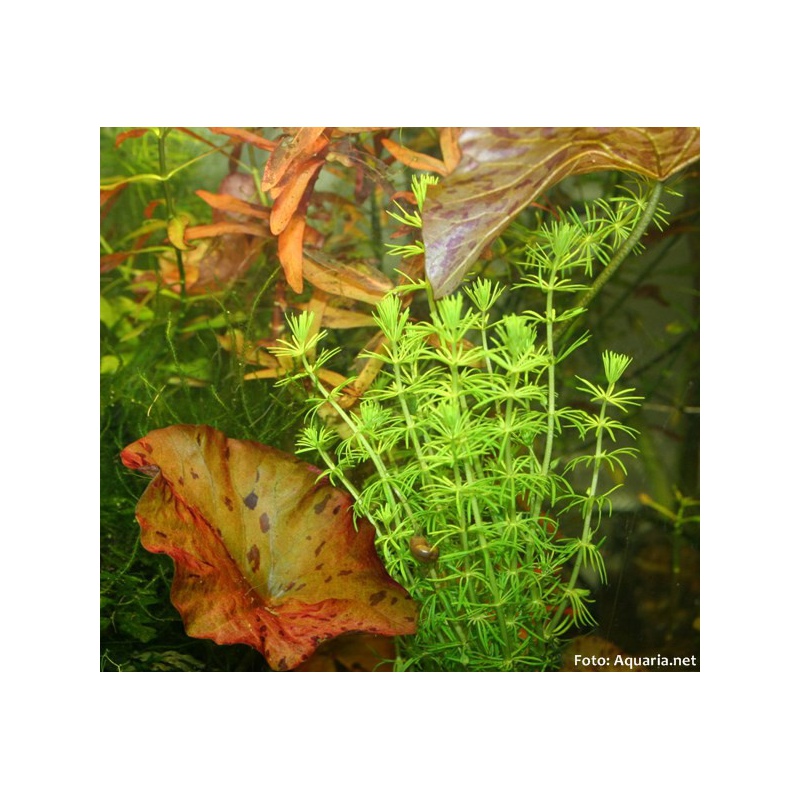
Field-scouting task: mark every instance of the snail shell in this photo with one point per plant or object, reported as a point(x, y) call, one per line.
point(422, 550)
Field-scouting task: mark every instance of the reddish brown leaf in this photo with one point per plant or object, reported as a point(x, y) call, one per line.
point(291, 196)
point(502, 170)
point(133, 133)
point(290, 251)
point(220, 228)
point(305, 143)
point(264, 554)
point(233, 205)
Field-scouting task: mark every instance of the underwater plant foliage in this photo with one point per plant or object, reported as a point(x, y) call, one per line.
point(485, 435)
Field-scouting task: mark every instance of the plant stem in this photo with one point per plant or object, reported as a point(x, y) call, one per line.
point(162, 165)
point(618, 257)
point(391, 492)
point(544, 471)
point(586, 534)
point(471, 470)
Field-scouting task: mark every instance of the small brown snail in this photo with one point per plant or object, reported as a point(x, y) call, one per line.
point(422, 550)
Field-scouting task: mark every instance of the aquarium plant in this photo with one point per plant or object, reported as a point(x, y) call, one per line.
point(461, 434)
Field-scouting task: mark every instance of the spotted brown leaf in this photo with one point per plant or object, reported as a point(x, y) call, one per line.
point(265, 554)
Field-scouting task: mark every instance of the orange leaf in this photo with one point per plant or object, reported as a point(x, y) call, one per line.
point(451, 151)
point(133, 133)
point(241, 135)
point(220, 228)
point(290, 252)
point(413, 159)
point(306, 142)
point(290, 198)
point(265, 555)
point(233, 205)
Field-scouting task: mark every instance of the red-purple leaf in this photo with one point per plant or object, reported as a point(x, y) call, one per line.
point(502, 170)
point(264, 554)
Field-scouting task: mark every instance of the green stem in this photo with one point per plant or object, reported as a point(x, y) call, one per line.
point(470, 474)
point(391, 492)
point(621, 254)
point(162, 165)
point(410, 423)
point(536, 507)
point(586, 534)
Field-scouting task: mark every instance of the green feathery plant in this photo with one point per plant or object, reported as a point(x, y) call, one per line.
point(462, 436)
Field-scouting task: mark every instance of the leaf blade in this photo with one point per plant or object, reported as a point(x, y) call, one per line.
point(502, 170)
point(264, 555)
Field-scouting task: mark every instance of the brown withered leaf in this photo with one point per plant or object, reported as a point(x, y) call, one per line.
point(502, 170)
point(265, 555)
